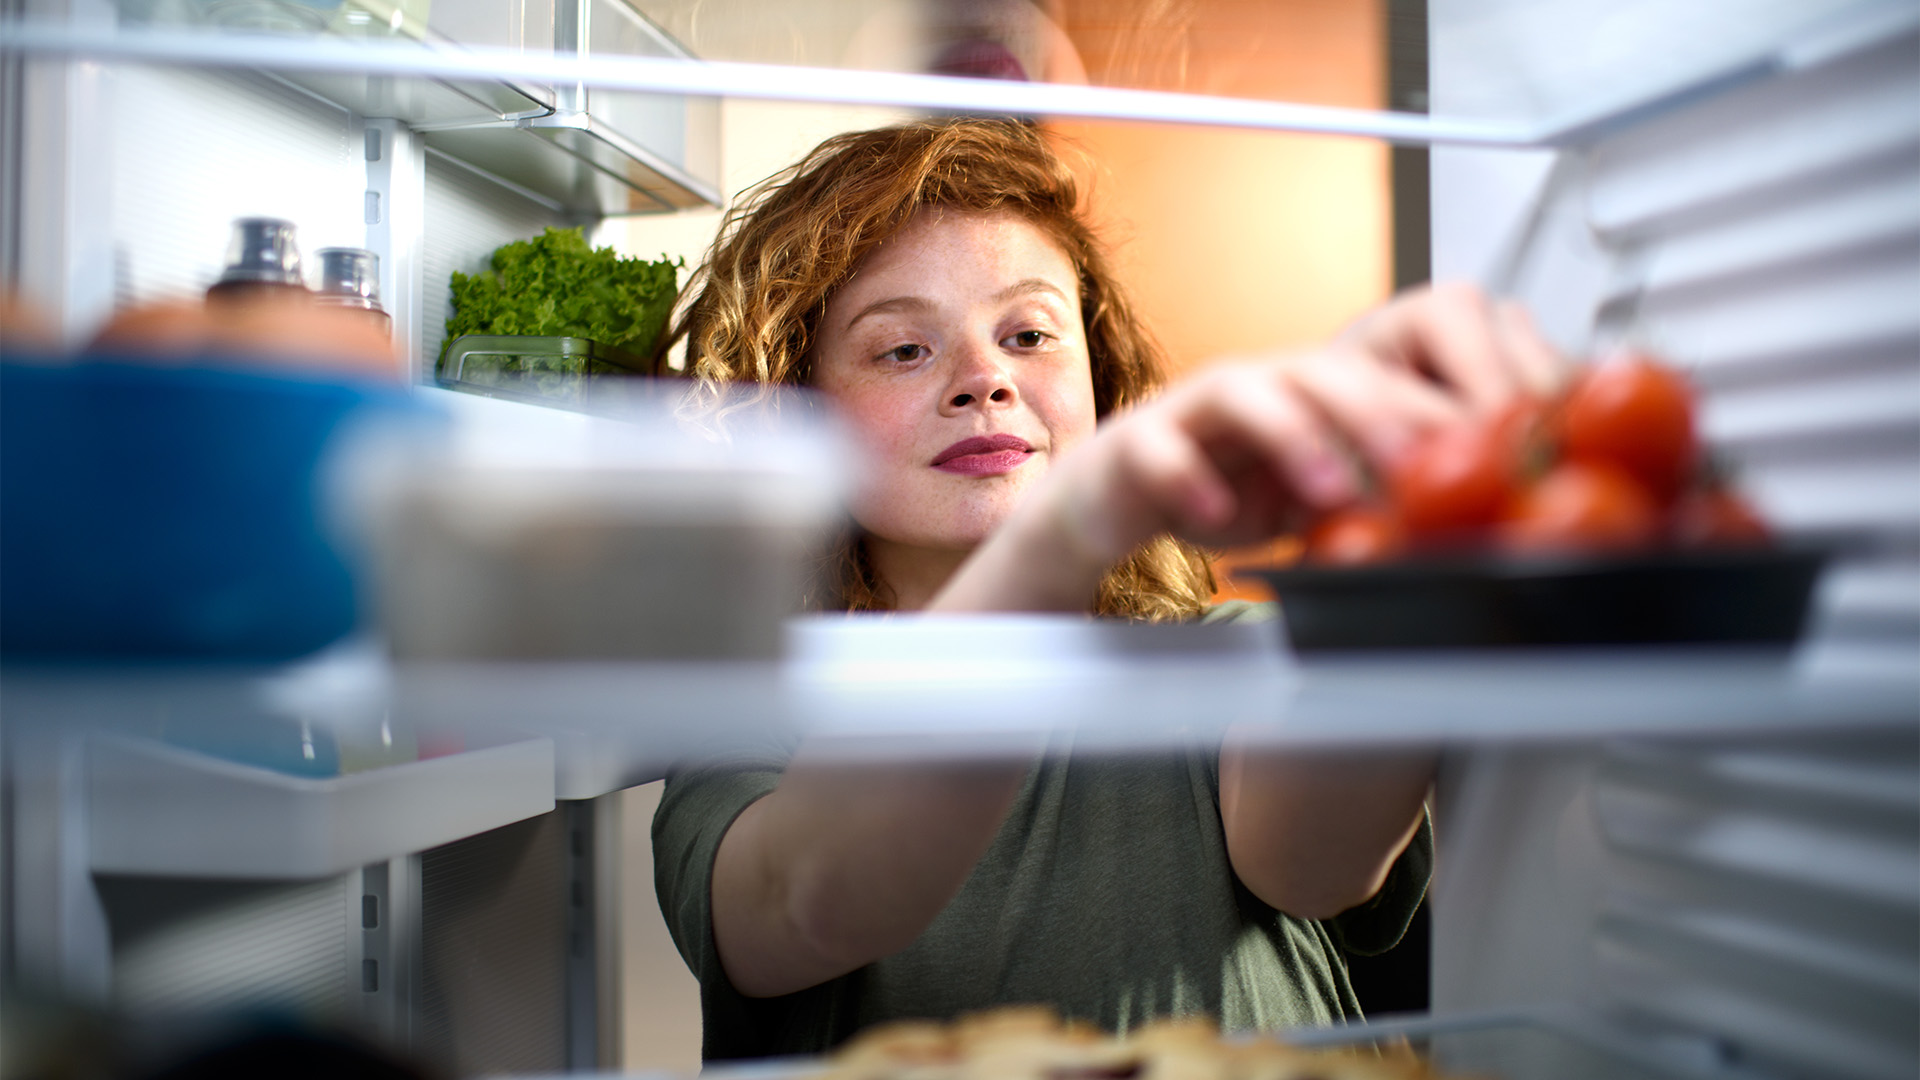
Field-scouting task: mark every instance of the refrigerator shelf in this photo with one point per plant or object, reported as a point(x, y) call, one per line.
point(1015, 685)
point(936, 692)
point(1503, 1045)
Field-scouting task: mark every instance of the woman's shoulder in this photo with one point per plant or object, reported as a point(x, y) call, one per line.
point(1241, 611)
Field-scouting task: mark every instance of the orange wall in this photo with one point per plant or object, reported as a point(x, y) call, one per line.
point(1233, 241)
point(1238, 241)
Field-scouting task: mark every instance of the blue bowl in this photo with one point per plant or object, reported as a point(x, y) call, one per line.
point(172, 512)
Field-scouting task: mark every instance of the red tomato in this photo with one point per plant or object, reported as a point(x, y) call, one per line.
point(1580, 506)
point(1718, 518)
point(1531, 427)
point(1453, 484)
point(1638, 416)
point(1523, 422)
point(1356, 535)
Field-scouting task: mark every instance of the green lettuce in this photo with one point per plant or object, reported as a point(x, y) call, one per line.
point(555, 285)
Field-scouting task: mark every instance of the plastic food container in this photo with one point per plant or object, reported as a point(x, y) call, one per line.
point(566, 371)
point(536, 535)
point(1725, 597)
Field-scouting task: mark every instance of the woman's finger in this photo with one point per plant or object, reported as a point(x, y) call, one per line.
point(1448, 332)
point(1167, 468)
point(1540, 366)
point(1382, 408)
point(1249, 414)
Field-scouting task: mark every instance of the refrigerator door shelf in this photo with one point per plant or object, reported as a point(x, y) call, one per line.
point(159, 810)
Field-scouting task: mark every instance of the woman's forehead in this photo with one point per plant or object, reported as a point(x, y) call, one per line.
point(946, 247)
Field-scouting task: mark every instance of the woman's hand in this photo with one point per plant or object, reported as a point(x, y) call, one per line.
point(1248, 450)
point(1485, 350)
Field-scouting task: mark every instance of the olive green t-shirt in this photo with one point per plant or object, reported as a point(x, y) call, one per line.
point(1107, 893)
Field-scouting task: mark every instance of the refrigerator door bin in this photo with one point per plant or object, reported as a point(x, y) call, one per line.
point(160, 810)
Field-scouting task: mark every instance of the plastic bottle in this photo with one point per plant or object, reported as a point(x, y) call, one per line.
point(350, 279)
point(262, 260)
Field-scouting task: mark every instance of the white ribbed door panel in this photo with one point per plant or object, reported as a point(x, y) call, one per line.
point(1772, 246)
point(194, 149)
point(1742, 903)
point(1765, 893)
point(183, 946)
point(467, 216)
point(1767, 242)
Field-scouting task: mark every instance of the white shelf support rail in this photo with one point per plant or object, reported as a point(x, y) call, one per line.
point(395, 216)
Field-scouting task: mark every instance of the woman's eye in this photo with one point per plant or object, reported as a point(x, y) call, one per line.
point(1029, 339)
point(905, 353)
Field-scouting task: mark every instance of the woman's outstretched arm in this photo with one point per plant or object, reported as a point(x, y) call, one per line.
point(1243, 453)
point(843, 865)
point(1314, 833)
point(1246, 451)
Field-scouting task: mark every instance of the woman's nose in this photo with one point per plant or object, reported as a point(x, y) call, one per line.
point(980, 376)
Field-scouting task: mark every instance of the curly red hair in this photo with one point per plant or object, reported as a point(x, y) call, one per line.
point(751, 312)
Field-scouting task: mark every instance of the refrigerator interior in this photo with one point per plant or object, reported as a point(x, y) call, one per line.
point(1744, 904)
point(1735, 186)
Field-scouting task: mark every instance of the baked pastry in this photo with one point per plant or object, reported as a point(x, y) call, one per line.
point(1032, 1043)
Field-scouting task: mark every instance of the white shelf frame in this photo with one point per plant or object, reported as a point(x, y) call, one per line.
point(772, 82)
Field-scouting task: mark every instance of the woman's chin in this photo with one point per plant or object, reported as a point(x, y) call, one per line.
point(960, 534)
point(947, 519)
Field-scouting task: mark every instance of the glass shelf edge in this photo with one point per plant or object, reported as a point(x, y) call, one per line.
point(831, 85)
point(759, 81)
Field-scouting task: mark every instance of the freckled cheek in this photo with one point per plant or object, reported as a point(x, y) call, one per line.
point(894, 487)
point(1068, 413)
point(884, 425)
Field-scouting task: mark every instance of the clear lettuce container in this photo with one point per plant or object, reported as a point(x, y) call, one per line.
point(569, 372)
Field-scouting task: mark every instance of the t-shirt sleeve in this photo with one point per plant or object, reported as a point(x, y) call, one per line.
point(1377, 925)
point(697, 808)
point(700, 804)
point(1242, 611)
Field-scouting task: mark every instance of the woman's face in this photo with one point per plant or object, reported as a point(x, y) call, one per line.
point(957, 352)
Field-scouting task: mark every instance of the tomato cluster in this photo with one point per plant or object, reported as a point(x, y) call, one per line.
point(1612, 466)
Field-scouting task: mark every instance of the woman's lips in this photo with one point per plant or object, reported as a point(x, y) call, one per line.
point(984, 455)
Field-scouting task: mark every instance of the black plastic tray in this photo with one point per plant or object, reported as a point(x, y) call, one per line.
point(1747, 597)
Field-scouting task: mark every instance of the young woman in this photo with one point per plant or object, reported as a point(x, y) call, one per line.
point(936, 282)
